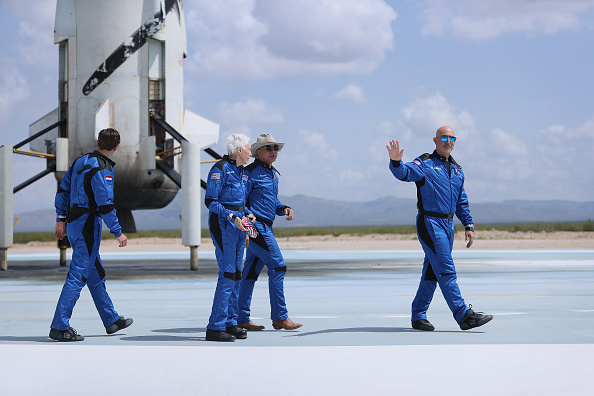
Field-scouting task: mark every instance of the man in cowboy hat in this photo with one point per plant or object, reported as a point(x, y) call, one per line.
point(262, 190)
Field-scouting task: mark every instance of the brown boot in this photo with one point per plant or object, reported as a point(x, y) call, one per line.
point(286, 324)
point(250, 326)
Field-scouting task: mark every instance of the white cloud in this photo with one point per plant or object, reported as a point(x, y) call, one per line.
point(385, 128)
point(38, 12)
point(385, 132)
point(351, 92)
point(561, 141)
point(485, 19)
point(251, 111)
point(424, 116)
point(35, 36)
point(256, 39)
point(350, 177)
point(14, 89)
point(584, 131)
point(505, 144)
point(315, 143)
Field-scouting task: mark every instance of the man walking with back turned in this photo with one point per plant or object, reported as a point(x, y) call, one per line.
point(87, 188)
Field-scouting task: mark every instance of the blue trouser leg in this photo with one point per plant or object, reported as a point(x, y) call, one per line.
point(68, 298)
point(425, 292)
point(251, 270)
point(264, 250)
point(96, 285)
point(278, 307)
point(233, 300)
point(437, 238)
point(229, 245)
point(84, 235)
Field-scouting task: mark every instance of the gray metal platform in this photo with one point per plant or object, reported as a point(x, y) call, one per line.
point(356, 338)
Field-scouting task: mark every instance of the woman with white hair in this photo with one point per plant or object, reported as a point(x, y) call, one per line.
point(225, 199)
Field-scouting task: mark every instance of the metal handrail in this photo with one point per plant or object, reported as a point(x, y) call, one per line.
point(34, 154)
point(42, 132)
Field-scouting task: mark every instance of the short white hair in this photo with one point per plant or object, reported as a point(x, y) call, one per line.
point(236, 140)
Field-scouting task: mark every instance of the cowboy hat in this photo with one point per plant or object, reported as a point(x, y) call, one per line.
point(266, 139)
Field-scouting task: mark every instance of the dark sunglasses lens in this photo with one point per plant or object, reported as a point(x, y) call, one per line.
point(269, 148)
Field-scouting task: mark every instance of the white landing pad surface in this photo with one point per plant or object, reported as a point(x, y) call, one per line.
point(356, 337)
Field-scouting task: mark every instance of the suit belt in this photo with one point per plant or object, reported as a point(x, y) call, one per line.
point(76, 212)
point(231, 207)
point(265, 221)
point(448, 216)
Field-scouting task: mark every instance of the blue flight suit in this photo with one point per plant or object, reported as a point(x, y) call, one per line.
point(440, 193)
point(87, 188)
point(262, 188)
point(225, 195)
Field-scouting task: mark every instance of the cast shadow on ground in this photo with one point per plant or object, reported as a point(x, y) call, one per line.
point(29, 339)
point(46, 339)
point(368, 330)
point(182, 330)
point(170, 338)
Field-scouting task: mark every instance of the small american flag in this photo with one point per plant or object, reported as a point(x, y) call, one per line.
point(215, 176)
point(108, 178)
point(251, 229)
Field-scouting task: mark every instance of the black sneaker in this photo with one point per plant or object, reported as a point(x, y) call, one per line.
point(121, 323)
point(422, 324)
point(217, 335)
point(65, 335)
point(237, 331)
point(473, 319)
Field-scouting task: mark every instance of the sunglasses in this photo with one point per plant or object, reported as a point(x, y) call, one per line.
point(270, 148)
point(444, 138)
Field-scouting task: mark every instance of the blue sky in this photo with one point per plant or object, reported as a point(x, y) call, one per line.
point(337, 79)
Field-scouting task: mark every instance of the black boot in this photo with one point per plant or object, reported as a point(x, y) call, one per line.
point(65, 335)
point(473, 319)
point(422, 324)
point(238, 332)
point(120, 324)
point(217, 335)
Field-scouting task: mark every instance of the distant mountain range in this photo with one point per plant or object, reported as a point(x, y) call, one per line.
point(317, 212)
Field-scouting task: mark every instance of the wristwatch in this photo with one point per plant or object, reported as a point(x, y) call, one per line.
point(469, 227)
point(231, 217)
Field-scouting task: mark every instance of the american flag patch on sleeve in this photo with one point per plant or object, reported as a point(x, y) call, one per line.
point(215, 176)
point(417, 162)
point(108, 178)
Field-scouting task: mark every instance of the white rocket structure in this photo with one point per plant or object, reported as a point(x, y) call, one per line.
point(121, 66)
